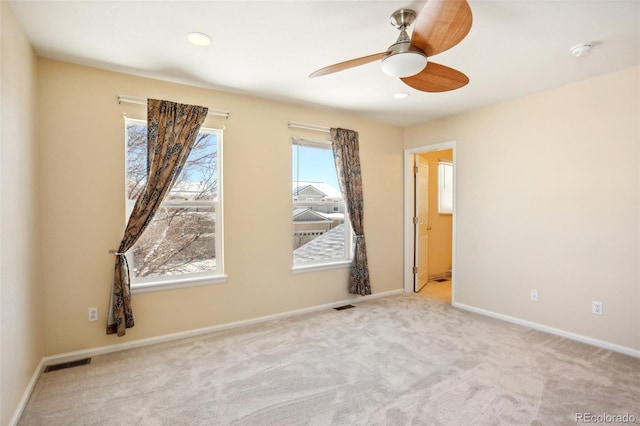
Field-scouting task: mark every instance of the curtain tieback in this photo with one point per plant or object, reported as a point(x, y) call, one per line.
point(126, 265)
point(358, 236)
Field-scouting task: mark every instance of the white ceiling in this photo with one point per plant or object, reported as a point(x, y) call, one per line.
point(268, 48)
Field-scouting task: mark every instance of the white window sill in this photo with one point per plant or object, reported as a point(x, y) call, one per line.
point(161, 285)
point(321, 266)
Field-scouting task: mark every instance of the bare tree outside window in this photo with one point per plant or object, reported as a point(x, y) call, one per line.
point(181, 238)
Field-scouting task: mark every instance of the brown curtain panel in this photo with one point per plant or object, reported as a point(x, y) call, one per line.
point(347, 158)
point(171, 132)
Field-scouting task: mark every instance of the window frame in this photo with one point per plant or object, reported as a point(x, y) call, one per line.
point(155, 283)
point(316, 265)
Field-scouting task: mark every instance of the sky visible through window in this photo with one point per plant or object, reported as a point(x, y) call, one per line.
point(314, 165)
point(198, 167)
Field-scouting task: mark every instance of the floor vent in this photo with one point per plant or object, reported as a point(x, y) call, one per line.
point(340, 308)
point(69, 364)
point(441, 280)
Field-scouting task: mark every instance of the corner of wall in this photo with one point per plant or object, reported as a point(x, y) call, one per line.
point(20, 324)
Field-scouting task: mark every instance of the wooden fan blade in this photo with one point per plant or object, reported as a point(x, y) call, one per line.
point(347, 64)
point(441, 25)
point(437, 78)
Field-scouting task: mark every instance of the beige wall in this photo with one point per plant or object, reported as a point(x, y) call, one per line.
point(440, 235)
point(82, 181)
point(548, 199)
point(20, 349)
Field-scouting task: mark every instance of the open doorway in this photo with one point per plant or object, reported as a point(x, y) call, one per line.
point(430, 221)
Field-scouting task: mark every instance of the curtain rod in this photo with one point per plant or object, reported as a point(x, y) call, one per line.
point(293, 124)
point(142, 101)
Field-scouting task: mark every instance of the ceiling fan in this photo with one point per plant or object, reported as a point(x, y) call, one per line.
point(441, 25)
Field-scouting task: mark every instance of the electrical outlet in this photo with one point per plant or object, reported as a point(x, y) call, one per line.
point(534, 295)
point(596, 308)
point(93, 314)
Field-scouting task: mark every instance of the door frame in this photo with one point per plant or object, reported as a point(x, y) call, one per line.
point(409, 230)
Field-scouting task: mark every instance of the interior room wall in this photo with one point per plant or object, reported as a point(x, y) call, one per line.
point(20, 349)
point(548, 199)
point(82, 182)
point(440, 235)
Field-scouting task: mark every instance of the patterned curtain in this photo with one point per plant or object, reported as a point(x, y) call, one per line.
point(347, 158)
point(171, 132)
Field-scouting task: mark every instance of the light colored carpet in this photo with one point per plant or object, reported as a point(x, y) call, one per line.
point(400, 360)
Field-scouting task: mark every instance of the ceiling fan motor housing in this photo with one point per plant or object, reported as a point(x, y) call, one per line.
point(402, 59)
point(402, 18)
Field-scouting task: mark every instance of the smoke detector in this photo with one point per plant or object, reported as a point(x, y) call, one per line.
point(580, 49)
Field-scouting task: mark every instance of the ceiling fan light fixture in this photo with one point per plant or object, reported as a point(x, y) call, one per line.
point(404, 62)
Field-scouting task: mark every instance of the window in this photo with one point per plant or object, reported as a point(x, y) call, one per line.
point(322, 235)
point(183, 242)
point(445, 187)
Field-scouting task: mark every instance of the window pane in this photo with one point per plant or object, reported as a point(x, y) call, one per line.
point(445, 188)
point(179, 240)
point(136, 138)
point(198, 179)
point(321, 231)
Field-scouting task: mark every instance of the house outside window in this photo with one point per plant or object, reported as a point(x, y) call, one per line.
point(183, 243)
point(322, 235)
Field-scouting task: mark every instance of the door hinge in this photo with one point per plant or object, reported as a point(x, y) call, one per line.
point(415, 269)
point(415, 220)
point(415, 170)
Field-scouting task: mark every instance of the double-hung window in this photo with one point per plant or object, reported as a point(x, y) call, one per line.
point(182, 245)
point(322, 235)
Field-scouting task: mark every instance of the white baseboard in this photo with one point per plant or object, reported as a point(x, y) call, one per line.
point(556, 331)
point(72, 356)
point(27, 393)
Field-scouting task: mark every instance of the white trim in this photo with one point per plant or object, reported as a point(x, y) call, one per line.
point(408, 213)
point(551, 330)
point(22, 404)
point(310, 143)
point(71, 356)
point(101, 350)
point(320, 266)
point(145, 287)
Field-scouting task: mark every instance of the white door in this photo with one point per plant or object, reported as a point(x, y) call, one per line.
point(421, 221)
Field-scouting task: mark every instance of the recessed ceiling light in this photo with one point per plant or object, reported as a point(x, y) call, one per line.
point(199, 39)
point(401, 95)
